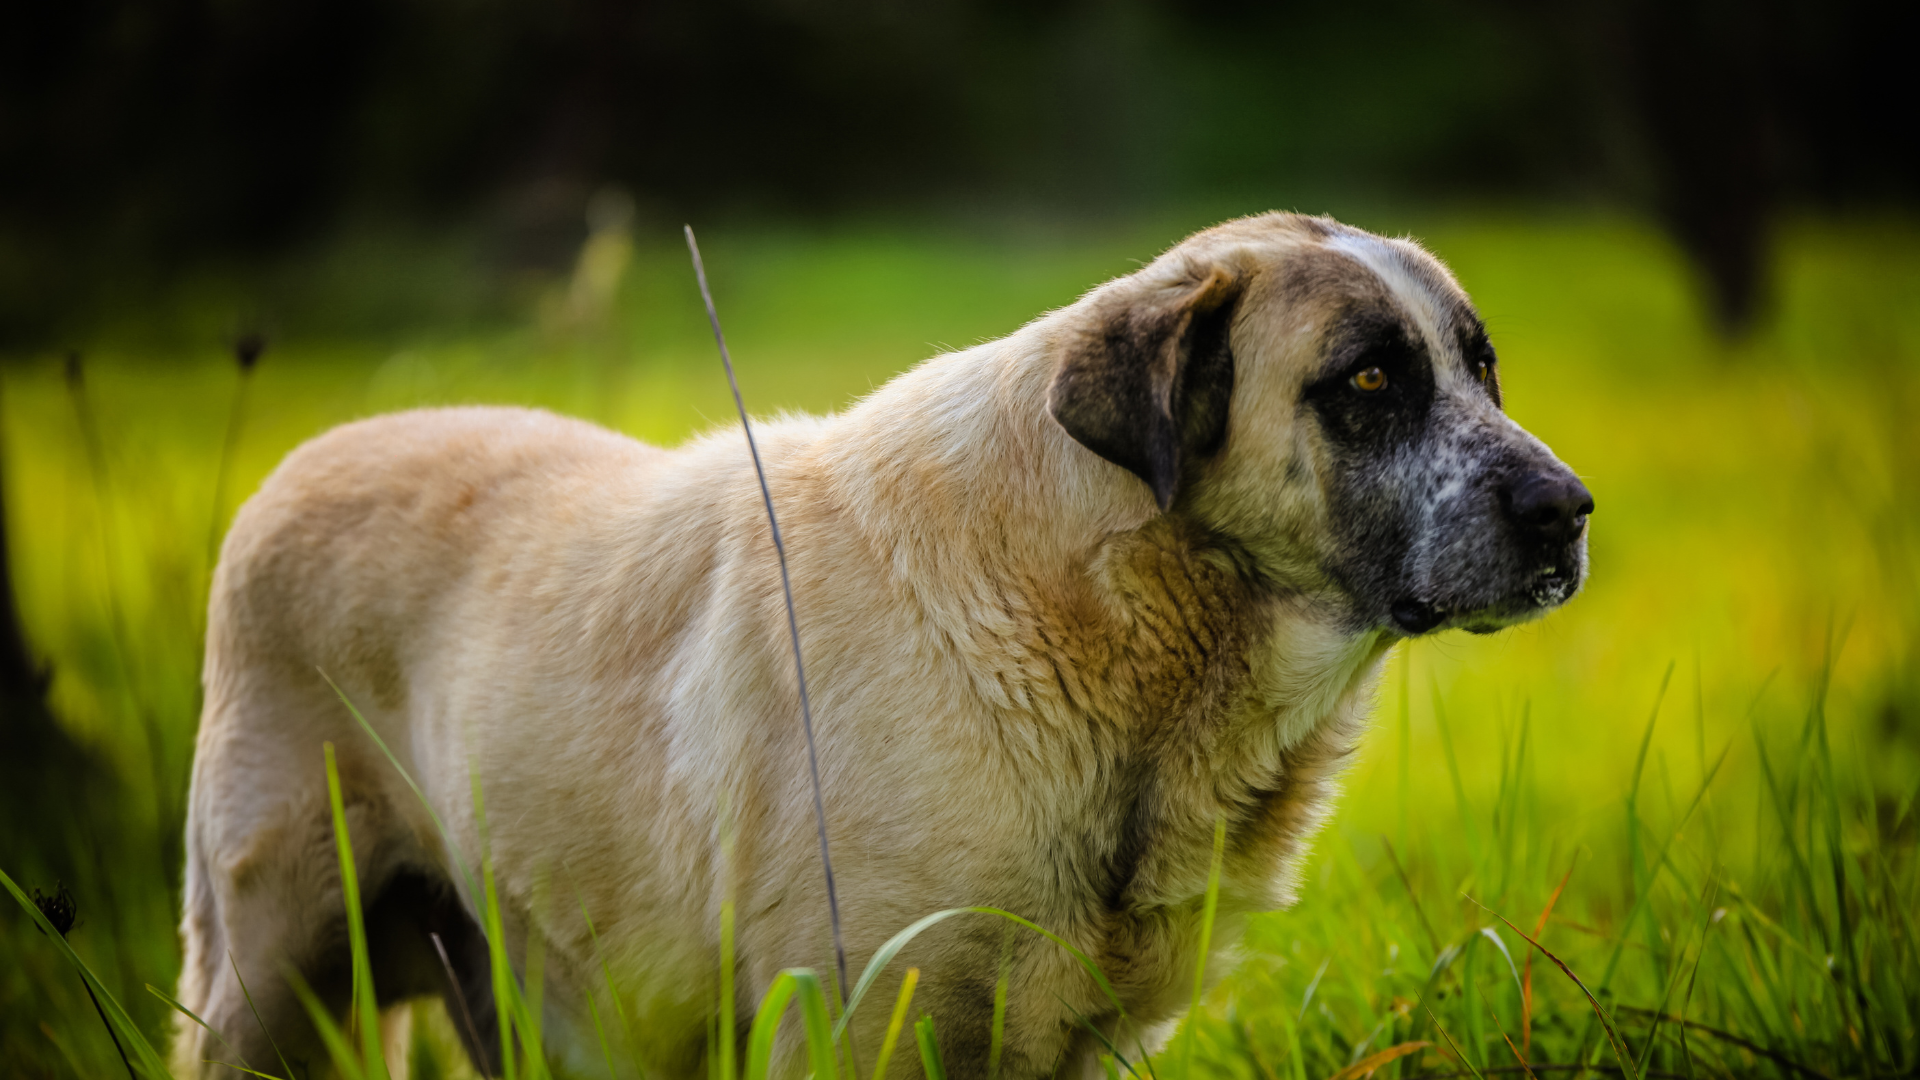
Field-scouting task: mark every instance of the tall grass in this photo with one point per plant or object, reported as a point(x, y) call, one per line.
point(1790, 955)
point(1727, 864)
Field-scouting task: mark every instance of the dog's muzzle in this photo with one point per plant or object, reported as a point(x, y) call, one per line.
point(1537, 560)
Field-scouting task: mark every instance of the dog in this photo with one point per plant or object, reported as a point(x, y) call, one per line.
point(1067, 600)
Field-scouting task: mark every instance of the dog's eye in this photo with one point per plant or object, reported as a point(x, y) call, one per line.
point(1485, 369)
point(1371, 380)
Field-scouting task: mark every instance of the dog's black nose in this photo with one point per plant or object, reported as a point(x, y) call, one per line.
point(1551, 504)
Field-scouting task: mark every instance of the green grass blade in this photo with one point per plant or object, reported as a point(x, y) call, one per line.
point(1507, 803)
point(818, 1023)
point(884, 956)
point(446, 837)
point(766, 1023)
point(600, 1036)
point(366, 1006)
point(613, 992)
point(255, 1010)
point(1296, 1058)
point(1441, 964)
point(930, 1050)
point(789, 984)
point(1094, 1030)
point(1643, 893)
point(894, 944)
point(244, 1069)
point(1470, 1005)
point(1513, 969)
point(1855, 999)
point(1086, 963)
point(1660, 1013)
point(727, 1034)
point(533, 984)
point(195, 1017)
point(516, 1015)
point(1209, 906)
point(1405, 733)
point(335, 1040)
point(1613, 1035)
point(997, 1030)
point(66, 1051)
point(1467, 825)
point(1636, 853)
point(506, 996)
point(1472, 1069)
point(1783, 798)
point(1413, 898)
point(148, 1061)
point(1313, 986)
point(896, 1023)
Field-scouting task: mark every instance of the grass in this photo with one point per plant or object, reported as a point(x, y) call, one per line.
point(1695, 785)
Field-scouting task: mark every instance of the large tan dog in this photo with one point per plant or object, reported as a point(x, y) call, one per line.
point(1066, 599)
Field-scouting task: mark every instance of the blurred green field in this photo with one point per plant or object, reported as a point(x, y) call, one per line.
point(1756, 553)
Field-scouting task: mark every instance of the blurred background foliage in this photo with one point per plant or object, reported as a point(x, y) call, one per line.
point(144, 140)
point(1690, 226)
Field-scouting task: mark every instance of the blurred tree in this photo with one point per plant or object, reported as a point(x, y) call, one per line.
point(1743, 104)
point(46, 777)
point(1699, 73)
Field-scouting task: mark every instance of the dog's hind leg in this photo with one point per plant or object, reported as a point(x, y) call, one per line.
point(263, 899)
point(257, 912)
point(276, 909)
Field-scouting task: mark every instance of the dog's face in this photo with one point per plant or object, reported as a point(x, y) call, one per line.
point(1330, 401)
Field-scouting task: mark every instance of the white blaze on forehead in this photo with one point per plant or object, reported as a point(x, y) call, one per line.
point(1387, 260)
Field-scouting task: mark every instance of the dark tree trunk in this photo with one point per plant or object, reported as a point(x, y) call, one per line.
point(1698, 74)
point(46, 777)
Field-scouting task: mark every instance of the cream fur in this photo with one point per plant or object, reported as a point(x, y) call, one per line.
point(1022, 673)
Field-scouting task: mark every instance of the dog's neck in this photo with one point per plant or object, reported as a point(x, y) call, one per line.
point(1087, 619)
point(1061, 542)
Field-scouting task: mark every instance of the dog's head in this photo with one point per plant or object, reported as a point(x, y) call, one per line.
point(1329, 400)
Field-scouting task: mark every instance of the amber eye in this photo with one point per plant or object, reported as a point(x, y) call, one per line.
point(1370, 381)
point(1485, 370)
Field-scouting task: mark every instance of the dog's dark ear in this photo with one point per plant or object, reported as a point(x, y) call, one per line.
point(1146, 385)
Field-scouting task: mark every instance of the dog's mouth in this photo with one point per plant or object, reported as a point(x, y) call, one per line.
point(1549, 587)
point(1414, 617)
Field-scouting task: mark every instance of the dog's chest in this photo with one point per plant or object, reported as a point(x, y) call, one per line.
point(1137, 703)
point(1125, 874)
point(1186, 699)
point(1141, 836)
